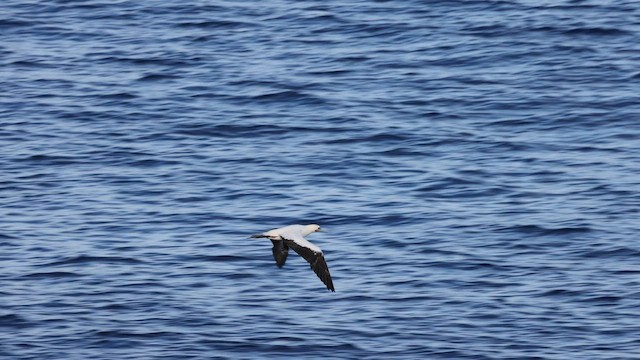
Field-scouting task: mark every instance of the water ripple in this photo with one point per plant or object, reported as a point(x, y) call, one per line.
point(474, 163)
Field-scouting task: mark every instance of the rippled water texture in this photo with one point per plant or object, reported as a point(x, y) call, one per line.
point(476, 165)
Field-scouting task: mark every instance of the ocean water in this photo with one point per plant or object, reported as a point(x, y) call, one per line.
point(476, 165)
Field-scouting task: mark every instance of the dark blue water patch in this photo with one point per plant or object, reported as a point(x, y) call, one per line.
point(620, 252)
point(398, 243)
point(167, 60)
point(123, 334)
point(503, 30)
point(447, 183)
point(627, 272)
point(471, 266)
point(150, 163)
point(377, 138)
point(4, 237)
point(236, 195)
point(158, 77)
point(105, 340)
point(14, 321)
point(35, 64)
point(118, 96)
point(193, 199)
point(213, 258)
point(603, 300)
point(542, 231)
point(53, 160)
point(277, 86)
point(585, 295)
point(330, 72)
point(116, 307)
point(401, 152)
point(239, 276)
point(561, 293)
point(8, 24)
point(329, 219)
point(285, 97)
point(88, 260)
point(596, 31)
point(187, 8)
point(126, 158)
point(269, 346)
point(53, 275)
point(226, 130)
point(460, 193)
point(250, 131)
point(216, 24)
point(238, 346)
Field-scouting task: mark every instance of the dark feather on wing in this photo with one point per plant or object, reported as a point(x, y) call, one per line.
point(315, 260)
point(280, 252)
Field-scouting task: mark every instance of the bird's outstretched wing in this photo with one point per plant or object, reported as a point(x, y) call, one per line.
point(313, 255)
point(280, 252)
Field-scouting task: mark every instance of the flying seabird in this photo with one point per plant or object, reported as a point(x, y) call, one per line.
point(292, 236)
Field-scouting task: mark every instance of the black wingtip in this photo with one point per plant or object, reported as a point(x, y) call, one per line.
point(330, 286)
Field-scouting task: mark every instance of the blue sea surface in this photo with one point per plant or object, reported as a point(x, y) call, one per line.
point(476, 165)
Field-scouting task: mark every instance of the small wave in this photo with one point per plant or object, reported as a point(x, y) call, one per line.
point(116, 307)
point(119, 96)
point(488, 30)
point(351, 59)
point(51, 275)
point(401, 152)
point(13, 23)
point(43, 159)
point(228, 130)
point(560, 293)
point(130, 334)
point(214, 258)
point(84, 259)
point(237, 276)
point(32, 64)
point(151, 163)
point(251, 130)
point(329, 72)
point(141, 61)
point(157, 77)
point(613, 252)
point(603, 299)
point(596, 31)
point(536, 229)
point(288, 96)
point(626, 272)
point(14, 321)
point(215, 24)
point(462, 192)
point(192, 199)
point(377, 138)
point(445, 184)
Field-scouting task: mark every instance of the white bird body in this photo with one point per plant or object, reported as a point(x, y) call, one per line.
point(293, 236)
point(295, 233)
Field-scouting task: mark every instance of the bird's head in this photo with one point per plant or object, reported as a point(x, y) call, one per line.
point(313, 228)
